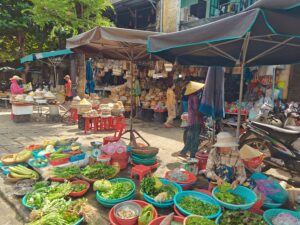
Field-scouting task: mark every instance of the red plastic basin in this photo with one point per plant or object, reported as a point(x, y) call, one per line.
point(158, 220)
point(56, 179)
point(80, 193)
point(113, 220)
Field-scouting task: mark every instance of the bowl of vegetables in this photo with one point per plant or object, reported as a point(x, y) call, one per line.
point(281, 216)
point(241, 198)
point(110, 193)
point(196, 203)
point(159, 192)
point(99, 171)
point(196, 220)
point(177, 220)
point(60, 174)
point(127, 213)
point(240, 217)
point(148, 213)
point(79, 188)
point(38, 163)
point(184, 178)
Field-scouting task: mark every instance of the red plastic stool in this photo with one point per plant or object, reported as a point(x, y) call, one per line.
point(91, 124)
point(104, 123)
point(120, 128)
point(140, 170)
point(73, 115)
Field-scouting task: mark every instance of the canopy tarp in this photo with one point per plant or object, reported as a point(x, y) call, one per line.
point(45, 55)
point(274, 38)
point(112, 43)
point(276, 4)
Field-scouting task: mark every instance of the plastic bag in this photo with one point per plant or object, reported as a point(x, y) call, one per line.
point(168, 220)
point(146, 215)
point(285, 219)
point(270, 188)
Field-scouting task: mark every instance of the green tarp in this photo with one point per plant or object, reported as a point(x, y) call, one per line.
point(187, 3)
point(45, 55)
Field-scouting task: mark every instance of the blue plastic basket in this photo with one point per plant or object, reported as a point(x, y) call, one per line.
point(163, 204)
point(116, 201)
point(30, 162)
point(109, 204)
point(147, 162)
point(35, 154)
point(24, 202)
point(218, 220)
point(79, 221)
point(247, 194)
point(269, 204)
point(78, 157)
point(203, 197)
point(271, 213)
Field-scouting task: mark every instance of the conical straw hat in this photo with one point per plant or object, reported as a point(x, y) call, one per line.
point(247, 152)
point(193, 87)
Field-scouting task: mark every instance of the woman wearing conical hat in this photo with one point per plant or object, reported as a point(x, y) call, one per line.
point(15, 88)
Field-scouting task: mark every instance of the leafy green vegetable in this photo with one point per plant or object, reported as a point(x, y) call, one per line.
point(224, 187)
point(230, 198)
point(241, 217)
point(78, 187)
point(148, 186)
point(197, 207)
point(98, 171)
point(118, 190)
point(146, 215)
point(102, 185)
point(193, 220)
point(66, 172)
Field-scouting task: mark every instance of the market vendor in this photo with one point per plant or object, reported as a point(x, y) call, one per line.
point(15, 88)
point(171, 105)
point(224, 163)
point(68, 89)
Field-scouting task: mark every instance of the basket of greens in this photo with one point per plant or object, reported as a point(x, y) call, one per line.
point(60, 174)
point(110, 193)
point(79, 188)
point(99, 171)
point(197, 203)
point(196, 220)
point(159, 192)
point(241, 198)
point(240, 217)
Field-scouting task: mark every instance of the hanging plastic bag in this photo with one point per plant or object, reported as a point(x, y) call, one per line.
point(146, 215)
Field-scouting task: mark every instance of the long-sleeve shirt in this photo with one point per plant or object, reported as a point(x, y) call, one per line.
point(194, 116)
point(171, 98)
point(233, 159)
point(15, 89)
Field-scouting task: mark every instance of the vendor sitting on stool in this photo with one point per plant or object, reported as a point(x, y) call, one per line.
point(224, 163)
point(15, 88)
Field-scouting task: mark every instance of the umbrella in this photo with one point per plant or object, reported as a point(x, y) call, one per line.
point(212, 102)
point(115, 43)
point(257, 36)
point(90, 85)
point(7, 69)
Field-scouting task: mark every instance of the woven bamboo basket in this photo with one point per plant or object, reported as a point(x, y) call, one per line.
point(147, 150)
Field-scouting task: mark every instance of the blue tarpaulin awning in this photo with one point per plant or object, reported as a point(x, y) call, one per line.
point(45, 55)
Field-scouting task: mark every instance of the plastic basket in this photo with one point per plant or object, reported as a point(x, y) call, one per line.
point(79, 221)
point(30, 162)
point(198, 195)
point(57, 162)
point(247, 194)
point(80, 193)
point(160, 219)
point(269, 204)
point(78, 157)
point(271, 213)
point(147, 162)
point(143, 204)
point(24, 199)
point(144, 156)
point(254, 162)
point(112, 202)
point(167, 203)
point(184, 184)
point(35, 154)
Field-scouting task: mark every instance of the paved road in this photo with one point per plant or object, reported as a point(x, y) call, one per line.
point(14, 137)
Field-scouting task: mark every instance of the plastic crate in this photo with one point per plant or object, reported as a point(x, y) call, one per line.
point(78, 157)
point(58, 162)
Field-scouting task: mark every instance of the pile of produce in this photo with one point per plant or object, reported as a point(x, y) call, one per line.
point(110, 190)
point(62, 212)
point(22, 172)
point(225, 196)
point(197, 207)
point(146, 215)
point(64, 172)
point(42, 193)
point(160, 192)
point(98, 171)
point(77, 187)
point(285, 219)
point(197, 220)
point(22, 156)
point(241, 217)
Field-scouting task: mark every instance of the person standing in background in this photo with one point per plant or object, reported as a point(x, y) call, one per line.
point(171, 106)
point(195, 121)
point(15, 88)
point(68, 89)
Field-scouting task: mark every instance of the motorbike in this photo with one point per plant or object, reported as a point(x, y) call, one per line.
point(269, 115)
point(292, 114)
point(280, 146)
